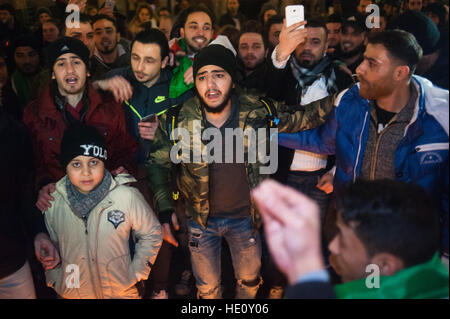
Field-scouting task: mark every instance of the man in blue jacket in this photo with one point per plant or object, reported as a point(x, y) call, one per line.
point(391, 125)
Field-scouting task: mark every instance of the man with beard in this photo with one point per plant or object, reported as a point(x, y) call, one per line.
point(196, 33)
point(109, 54)
point(26, 52)
point(307, 76)
point(69, 100)
point(252, 52)
point(215, 193)
point(144, 89)
point(392, 125)
point(353, 42)
point(233, 16)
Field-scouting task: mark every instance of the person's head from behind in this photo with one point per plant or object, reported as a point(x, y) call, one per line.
point(83, 32)
point(273, 29)
point(26, 53)
point(334, 29)
point(50, 30)
point(6, 13)
point(83, 155)
point(197, 29)
point(68, 59)
point(387, 223)
point(415, 5)
point(390, 60)
point(149, 55)
point(252, 47)
point(106, 35)
point(214, 71)
point(310, 53)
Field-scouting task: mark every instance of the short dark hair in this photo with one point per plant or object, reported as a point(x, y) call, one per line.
point(153, 36)
point(401, 45)
point(393, 217)
point(84, 18)
point(105, 17)
point(253, 26)
point(198, 8)
point(276, 19)
point(335, 18)
point(318, 24)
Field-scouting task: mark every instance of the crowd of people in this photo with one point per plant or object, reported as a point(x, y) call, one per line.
point(103, 188)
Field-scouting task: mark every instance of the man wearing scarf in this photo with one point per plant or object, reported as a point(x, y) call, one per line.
point(308, 75)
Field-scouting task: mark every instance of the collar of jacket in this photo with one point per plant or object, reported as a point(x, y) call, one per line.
point(48, 109)
point(121, 179)
point(426, 280)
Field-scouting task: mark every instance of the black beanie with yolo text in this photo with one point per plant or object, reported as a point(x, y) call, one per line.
point(215, 54)
point(83, 140)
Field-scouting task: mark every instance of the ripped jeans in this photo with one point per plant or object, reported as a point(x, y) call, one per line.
point(245, 248)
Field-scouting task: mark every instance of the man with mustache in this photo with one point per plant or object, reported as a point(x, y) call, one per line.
point(109, 54)
point(216, 193)
point(353, 42)
point(393, 125)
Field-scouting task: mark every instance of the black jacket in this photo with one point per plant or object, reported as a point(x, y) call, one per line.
point(311, 290)
point(20, 220)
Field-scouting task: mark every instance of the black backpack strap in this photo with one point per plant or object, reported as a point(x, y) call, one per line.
point(272, 110)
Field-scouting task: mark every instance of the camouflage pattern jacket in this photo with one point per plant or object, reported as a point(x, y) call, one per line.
point(192, 178)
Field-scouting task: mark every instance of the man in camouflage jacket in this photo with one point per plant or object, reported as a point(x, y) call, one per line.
point(216, 195)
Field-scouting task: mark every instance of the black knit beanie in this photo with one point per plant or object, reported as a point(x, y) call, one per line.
point(215, 54)
point(67, 45)
point(422, 27)
point(83, 140)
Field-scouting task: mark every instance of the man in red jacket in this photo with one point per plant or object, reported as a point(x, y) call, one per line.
point(70, 99)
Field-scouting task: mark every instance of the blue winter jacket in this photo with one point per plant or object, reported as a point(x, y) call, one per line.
point(420, 158)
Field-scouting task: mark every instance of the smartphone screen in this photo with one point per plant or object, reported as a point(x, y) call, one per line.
point(294, 14)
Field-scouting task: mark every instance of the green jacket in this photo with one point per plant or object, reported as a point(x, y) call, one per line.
point(193, 178)
point(426, 280)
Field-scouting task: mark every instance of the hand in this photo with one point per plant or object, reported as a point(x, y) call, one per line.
point(189, 76)
point(45, 251)
point(290, 39)
point(119, 170)
point(44, 197)
point(292, 228)
point(147, 130)
point(167, 232)
point(325, 183)
point(120, 88)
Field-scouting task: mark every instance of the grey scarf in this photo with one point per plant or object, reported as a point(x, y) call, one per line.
point(83, 204)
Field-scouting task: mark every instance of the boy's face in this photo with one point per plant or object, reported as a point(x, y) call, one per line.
point(85, 173)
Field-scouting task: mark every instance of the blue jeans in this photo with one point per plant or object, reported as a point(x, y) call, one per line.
point(245, 248)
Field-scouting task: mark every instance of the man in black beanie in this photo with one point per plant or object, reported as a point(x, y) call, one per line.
point(215, 188)
point(434, 62)
point(70, 99)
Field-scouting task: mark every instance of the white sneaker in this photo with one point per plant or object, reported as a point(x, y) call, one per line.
point(162, 294)
point(183, 288)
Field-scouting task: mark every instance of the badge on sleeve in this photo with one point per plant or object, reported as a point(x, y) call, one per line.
point(116, 217)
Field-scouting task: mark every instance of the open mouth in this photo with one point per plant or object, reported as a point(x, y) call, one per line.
point(72, 80)
point(212, 95)
point(200, 40)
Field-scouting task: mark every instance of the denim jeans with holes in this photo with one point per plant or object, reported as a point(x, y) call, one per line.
point(245, 248)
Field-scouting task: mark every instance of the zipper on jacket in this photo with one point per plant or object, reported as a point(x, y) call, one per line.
point(85, 224)
point(359, 147)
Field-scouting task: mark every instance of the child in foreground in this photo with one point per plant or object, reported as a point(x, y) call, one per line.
point(91, 221)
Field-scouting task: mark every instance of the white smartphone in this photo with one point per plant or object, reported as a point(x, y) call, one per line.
point(295, 14)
